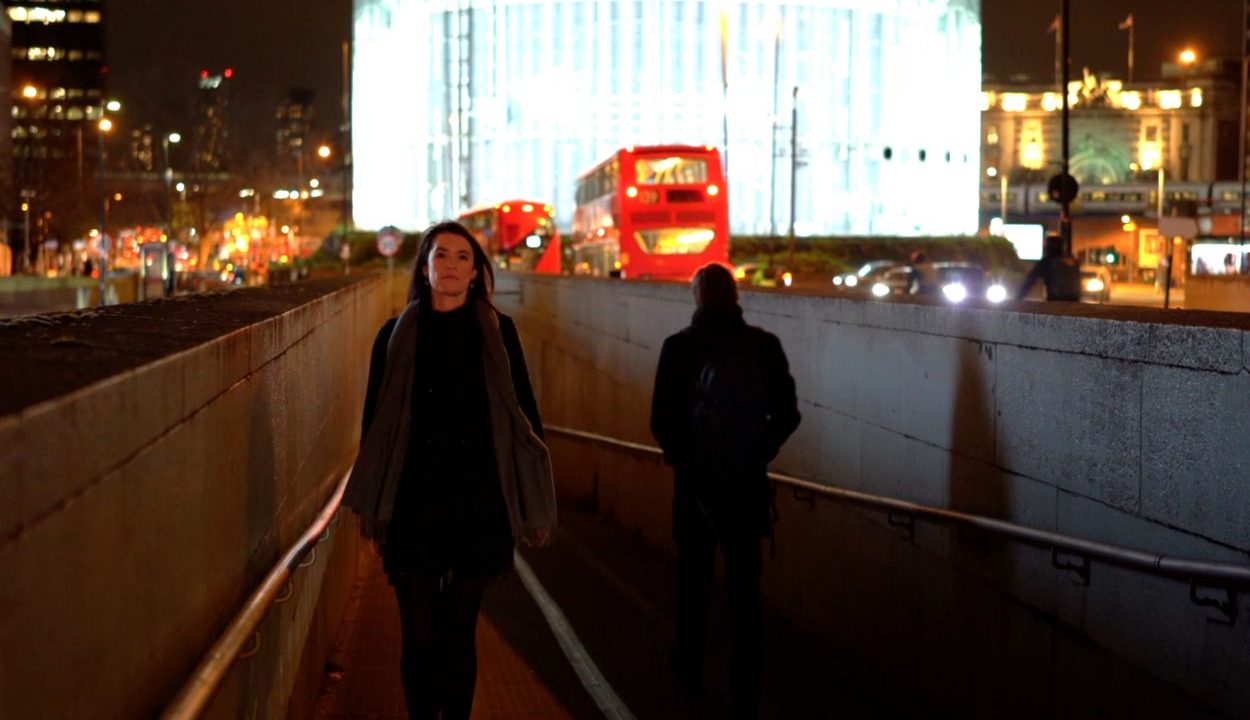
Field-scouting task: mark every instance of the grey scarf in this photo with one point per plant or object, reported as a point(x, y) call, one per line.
point(522, 459)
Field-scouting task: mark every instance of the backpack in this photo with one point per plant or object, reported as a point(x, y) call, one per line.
point(729, 410)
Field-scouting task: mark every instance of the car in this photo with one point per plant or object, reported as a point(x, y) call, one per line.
point(1095, 283)
point(954, 282)
point(862, 280)
point(763, 275)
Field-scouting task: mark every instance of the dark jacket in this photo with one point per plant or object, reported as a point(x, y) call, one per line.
point(449, 510)
point(738, 498)
point(1061, 276)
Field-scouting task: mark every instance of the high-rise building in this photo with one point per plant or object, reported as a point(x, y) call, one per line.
point(294, 118)
point(211, 107)
point(516, 99)
point(57, 90)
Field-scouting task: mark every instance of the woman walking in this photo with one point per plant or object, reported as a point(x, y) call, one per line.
point(452, 470)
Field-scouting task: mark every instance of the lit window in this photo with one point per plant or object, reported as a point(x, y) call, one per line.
point(1052, 101)
point(74, 16)
point(987, 101)
point(1015, 102)
point(1195, 97)
point(1032, 149)
point(1130, 100)
point(74, 113)
point(57, 93)
point(1170, 99)
point(91, 16)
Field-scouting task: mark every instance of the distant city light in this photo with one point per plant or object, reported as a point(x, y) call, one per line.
point(324, 151)
point(175, 138)
point(1188, 56)
point(114, 105)
point(181, 187)
point(106, 124)
point(30, 92)
point(314, 183)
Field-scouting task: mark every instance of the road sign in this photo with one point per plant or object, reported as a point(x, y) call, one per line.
point(389, 240)
point(1063, 188)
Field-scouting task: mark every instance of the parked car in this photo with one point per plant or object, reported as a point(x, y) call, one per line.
point(1095, 283)
point(862, 280)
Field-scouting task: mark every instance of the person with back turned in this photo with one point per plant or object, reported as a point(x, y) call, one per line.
point(724, 403)
point(1059, 272)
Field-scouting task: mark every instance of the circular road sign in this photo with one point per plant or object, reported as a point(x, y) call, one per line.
point(389, 240)
point(1063, 188)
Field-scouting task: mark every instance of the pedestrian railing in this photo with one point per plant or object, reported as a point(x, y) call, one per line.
point(1067, 553)
point(241, 638)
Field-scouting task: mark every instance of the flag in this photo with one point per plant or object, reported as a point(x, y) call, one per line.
point(1128, 22)
point(1055, 24)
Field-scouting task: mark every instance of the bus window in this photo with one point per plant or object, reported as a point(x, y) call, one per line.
point(674, 240)
point(674, 170)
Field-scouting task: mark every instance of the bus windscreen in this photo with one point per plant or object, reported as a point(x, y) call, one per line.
point(674, 170)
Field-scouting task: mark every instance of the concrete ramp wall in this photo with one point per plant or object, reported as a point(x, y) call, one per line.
point(1122, 426)
point(155, 461)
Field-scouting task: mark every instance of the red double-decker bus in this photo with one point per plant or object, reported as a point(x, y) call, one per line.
point(658, 211)
point(517, 234)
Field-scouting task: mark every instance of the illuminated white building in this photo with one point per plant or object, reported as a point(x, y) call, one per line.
point(461, 102)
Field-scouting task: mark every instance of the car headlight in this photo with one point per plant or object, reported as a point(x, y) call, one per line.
point(880, 290)
point(955, 292)
point(1095, 285)
point(996, 294)
point(837, 280)
point(852, 280)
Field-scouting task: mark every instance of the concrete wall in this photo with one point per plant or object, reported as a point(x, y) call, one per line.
point(1218, 292)
point(1108, 424)
point(139, 510)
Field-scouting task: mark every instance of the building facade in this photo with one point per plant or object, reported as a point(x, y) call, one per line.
point(1187, 124)
point(460, 102)
point(57, 90)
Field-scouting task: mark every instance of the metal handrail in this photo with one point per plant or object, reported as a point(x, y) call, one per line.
point(1208, 574)
point(196, 693)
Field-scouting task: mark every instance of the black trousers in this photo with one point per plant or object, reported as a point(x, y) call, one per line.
point(439, 627)
point(696, 566)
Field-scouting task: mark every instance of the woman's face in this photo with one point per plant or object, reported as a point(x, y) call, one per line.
point(449, 267)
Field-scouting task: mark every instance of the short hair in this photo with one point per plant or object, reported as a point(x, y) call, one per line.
point(714, 284)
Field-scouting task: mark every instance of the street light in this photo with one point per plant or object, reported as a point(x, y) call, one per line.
point(1188, 56)
point(105, 125)
point(168, 139)
point(324, 152)
point(30, 92)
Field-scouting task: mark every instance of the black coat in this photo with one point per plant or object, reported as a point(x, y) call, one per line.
point(737, 500)
point(449, 512)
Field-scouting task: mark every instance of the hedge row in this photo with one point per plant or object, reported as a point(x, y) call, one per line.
point(811, 254)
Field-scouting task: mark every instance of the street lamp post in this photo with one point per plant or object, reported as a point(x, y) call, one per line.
point(105, 125)
point(172, 138)
point(794, 170)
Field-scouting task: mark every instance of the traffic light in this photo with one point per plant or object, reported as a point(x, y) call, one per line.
point(1112, 257)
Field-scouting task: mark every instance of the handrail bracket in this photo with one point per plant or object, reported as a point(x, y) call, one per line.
point(1080, 567)
point(1226, 606)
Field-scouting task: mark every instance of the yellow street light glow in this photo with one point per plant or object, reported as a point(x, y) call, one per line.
point(1188, 56)
point(631, 191)
point(117, 197)
point(25, 207)
point(323, 151)
point(30, 92)
point(106, 124)
point(1126, 219)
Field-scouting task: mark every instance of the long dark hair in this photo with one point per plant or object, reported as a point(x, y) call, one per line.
point(480, 289)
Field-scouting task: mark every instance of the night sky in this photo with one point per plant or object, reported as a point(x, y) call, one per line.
point(157, 48)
